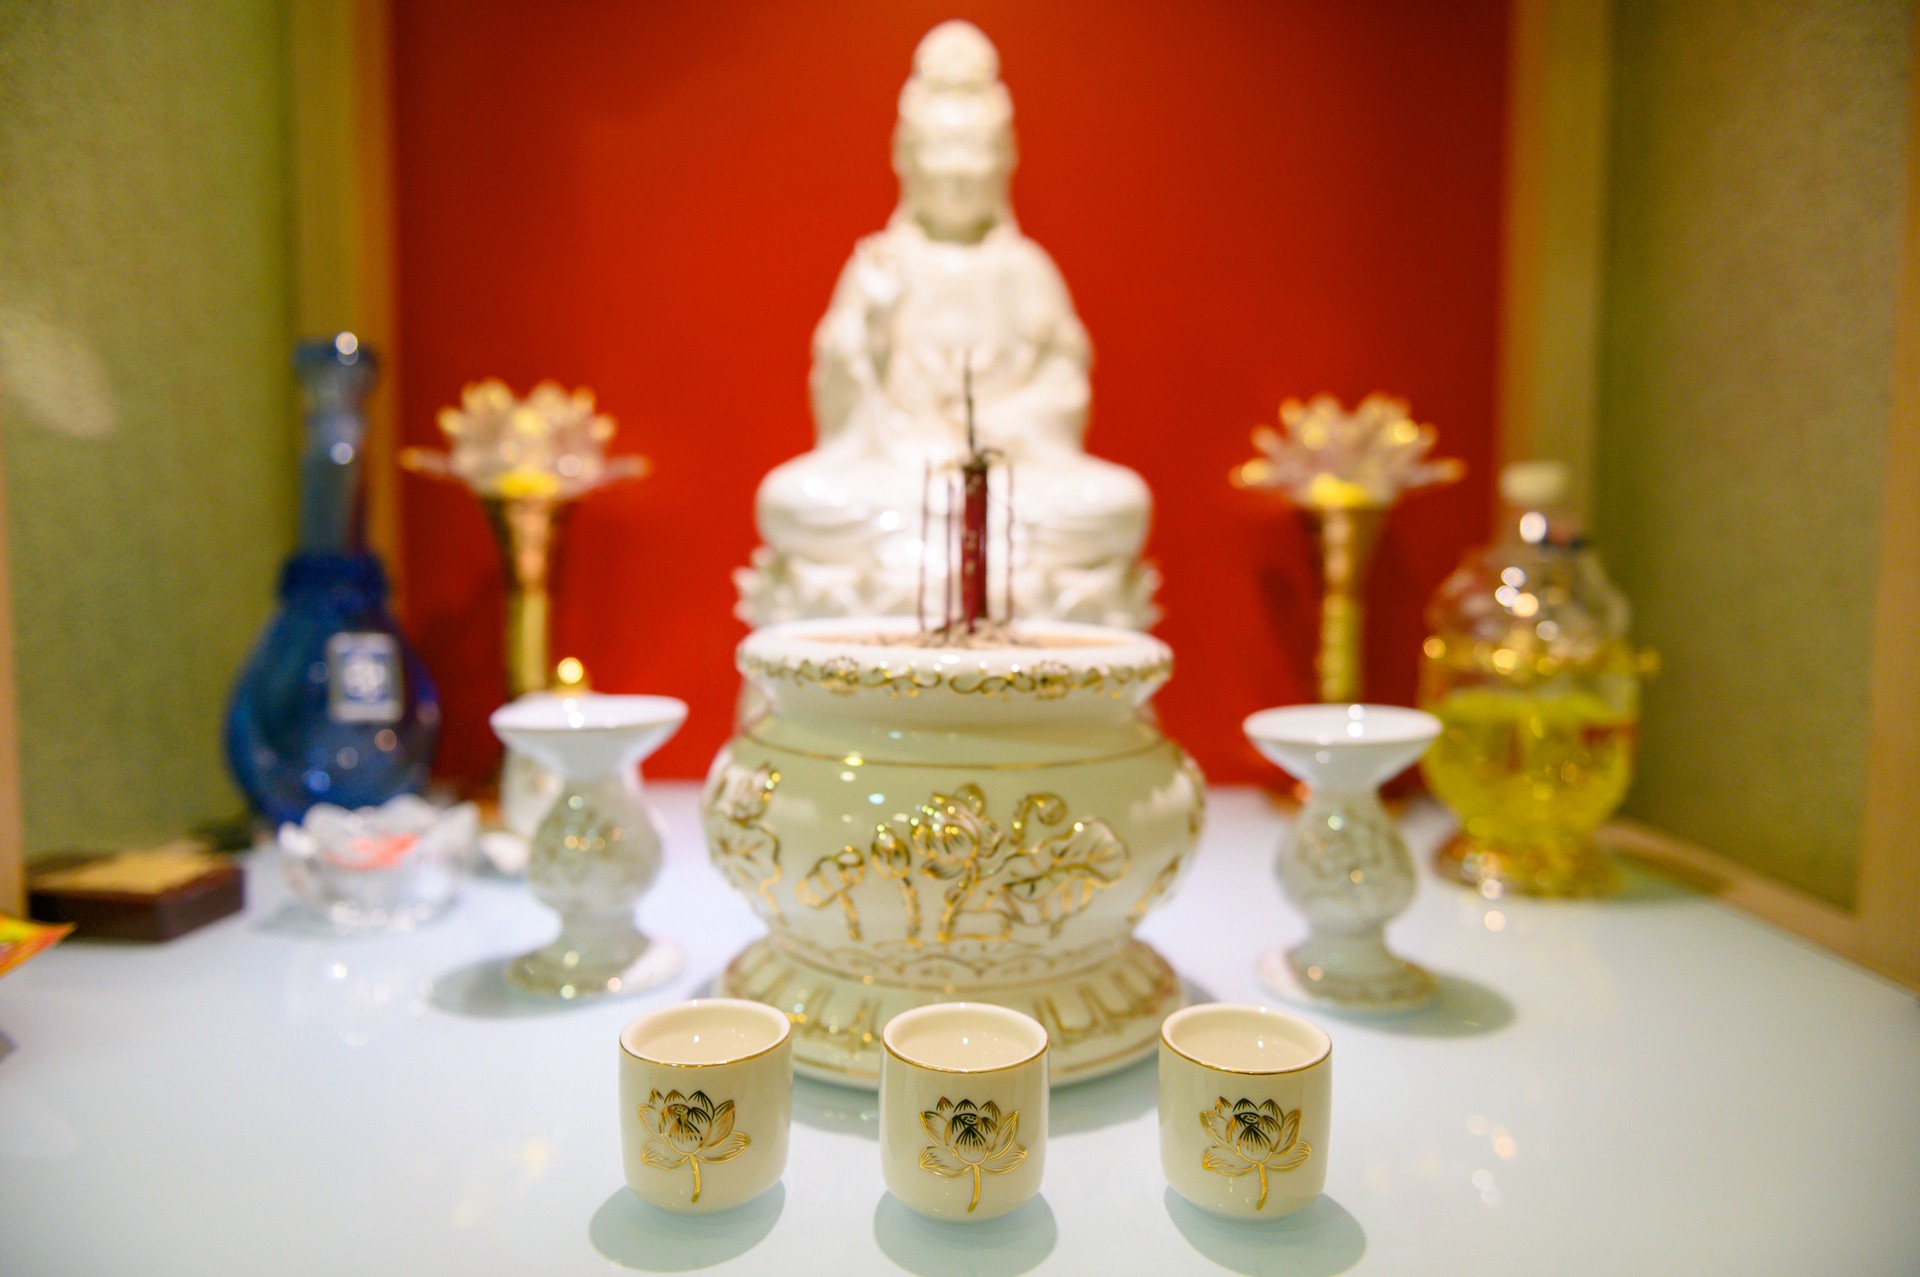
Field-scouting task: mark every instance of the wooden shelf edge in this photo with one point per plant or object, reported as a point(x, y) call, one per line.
point(1821, 921)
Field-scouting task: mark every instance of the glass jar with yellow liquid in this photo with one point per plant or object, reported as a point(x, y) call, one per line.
point(1537, 688)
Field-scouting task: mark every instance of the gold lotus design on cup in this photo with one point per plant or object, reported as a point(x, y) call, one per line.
point(688, 1130)
point(970, 1138)
point(1251, 1138)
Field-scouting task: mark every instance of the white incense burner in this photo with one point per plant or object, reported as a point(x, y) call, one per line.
point(922, 824)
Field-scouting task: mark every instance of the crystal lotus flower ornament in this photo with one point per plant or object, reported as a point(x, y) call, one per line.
point(1325, 457)
point(687, 1130)
point(527, 460)
point(1251, 1138)
point(390, 867)
point(969, 1139)
point(551, 444)
point(1345, 470)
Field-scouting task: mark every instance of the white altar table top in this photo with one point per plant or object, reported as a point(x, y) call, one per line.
point(1651, 1084)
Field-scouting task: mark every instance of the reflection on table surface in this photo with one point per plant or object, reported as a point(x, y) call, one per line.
point(1602, 1087)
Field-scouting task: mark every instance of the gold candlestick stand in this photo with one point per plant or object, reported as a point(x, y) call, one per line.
point(527, 531)
point(1345, 471)
point(527, 460)
point(1345, 536)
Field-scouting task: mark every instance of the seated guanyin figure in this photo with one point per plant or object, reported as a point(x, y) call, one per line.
point(950, 296)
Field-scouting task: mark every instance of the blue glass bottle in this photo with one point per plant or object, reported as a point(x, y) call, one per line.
point(333, 704)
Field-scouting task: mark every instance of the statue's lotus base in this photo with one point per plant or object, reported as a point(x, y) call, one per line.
point(1098, 1019)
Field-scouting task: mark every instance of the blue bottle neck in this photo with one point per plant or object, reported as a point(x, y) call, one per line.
point(345, 582)
point(335, 375)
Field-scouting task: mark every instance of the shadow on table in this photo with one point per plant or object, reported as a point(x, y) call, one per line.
point(636, 1235)
point(480, 991)
point(825, 1106)
point(6, 1045)
point(1194, 993)
point(1464, 1008)
point(295, 919)
point(1105, 1101)
point(1319, 1241)
point(1002, 1247)
point(1659, 882)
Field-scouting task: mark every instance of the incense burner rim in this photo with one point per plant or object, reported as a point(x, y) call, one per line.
point(1094, 667)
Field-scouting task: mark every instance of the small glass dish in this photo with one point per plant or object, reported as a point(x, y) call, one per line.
point(385, 868)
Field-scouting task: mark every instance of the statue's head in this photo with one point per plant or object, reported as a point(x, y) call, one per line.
point(953, 147)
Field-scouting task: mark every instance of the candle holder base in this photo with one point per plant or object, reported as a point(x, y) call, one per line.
point(1384, 987)
point(564, 969)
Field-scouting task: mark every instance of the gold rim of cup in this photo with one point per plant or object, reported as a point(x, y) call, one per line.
point(948, 1010)
point(1322, 1048)
point(782, 1030)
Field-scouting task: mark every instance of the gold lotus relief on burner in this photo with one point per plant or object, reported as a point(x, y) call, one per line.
point(1163, 882)
point(743, 848)
point(984, 881)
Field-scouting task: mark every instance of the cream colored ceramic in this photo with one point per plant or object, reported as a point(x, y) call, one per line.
point(1245, 1107)
point(706, 1096)
point(921, 824)
point(597, 849)
point(963, 1109)
point(950, 285)
point(1344, 864)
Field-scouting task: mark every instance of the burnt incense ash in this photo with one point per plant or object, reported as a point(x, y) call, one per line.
point(989, 636)
point(966, 543)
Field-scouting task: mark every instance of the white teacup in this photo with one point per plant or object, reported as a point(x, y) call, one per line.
point(963, 1109)
point(1245, 1107)
point(706, 1096)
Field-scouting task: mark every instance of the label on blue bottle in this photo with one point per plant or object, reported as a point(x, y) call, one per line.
point(363, 678)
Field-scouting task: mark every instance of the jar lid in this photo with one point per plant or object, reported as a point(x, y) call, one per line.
point(1533, 484)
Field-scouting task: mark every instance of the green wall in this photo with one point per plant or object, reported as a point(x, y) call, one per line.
point(145, 395)
point(1752, 264)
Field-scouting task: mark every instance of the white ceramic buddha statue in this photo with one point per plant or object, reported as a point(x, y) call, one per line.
point(950, 291)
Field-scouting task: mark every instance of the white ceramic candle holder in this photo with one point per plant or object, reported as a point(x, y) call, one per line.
point(963, 1109)
point(1344, 865)
point(597, 849)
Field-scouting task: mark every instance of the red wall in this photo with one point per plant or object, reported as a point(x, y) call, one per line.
point(1248, 200)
